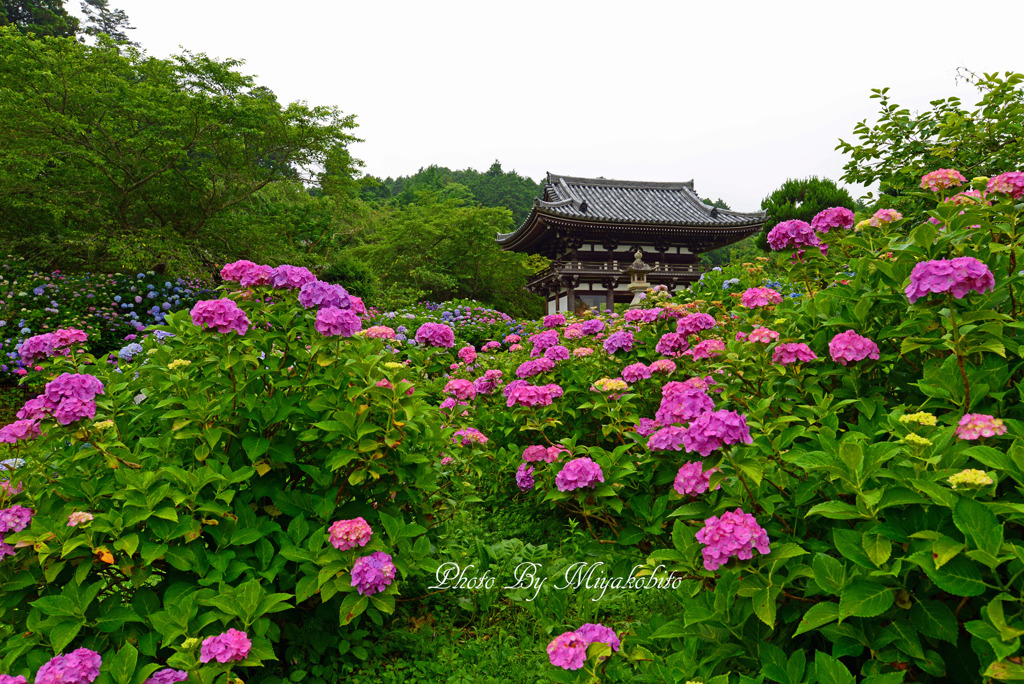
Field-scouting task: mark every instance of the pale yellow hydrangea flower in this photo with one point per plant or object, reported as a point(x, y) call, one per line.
point(916, 440)
point(179, 363)
point(611, 385)
point(393, 366)
point(921, 418)
point(104, 424)
point(970, 478)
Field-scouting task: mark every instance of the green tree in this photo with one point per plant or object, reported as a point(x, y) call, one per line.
point(39, 17)
point(903, 146)
point(800, 199)
point(113, 159)
point(101, 19)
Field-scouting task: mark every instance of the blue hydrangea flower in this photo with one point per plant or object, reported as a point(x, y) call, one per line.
point(130, 351)
point(117, 298)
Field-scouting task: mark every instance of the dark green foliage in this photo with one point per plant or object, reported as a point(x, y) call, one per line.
point(100, 18)
point(354, 275)
point(903, 146)
point(39, 17)
point(800, 199)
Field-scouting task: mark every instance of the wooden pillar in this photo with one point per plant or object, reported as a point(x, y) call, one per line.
point(570, 301)
point(609, 295)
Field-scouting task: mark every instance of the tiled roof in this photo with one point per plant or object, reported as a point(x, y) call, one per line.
point(631, 202)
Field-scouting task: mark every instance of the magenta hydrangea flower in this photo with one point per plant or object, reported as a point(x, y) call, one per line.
point(978, 425)
point(635, 372)
point(72, 410)
point(348, 534)
point(763, 335)
point(794, 233)
point(333, 322)
point(592, 326)
point(943, 179)
point(461, 389)
point(535, 452)
point(491, 346)
point(1010, 183)
point(373, 574)
point(665, 366)
point(715, 429)
point(965, 197)
point(222, 315)
point(513, 339)
point(230, 646)
point(667, 439)
point(848, 347)
point(11, 679)
point(683, 401)
point(592, 633)
point(524, 477)
point(532, 395)
point(556, 353)
point(19, 431)
point(734, 534)
point(528, 369)
point(468, 353)
point(693, 480)
point(81, 666)
point(287, 277)
point(692, 324)
point(72, 386)
point(580, 352)
point(77, 518)
point(672, 344)
point(705, 349)
point(50, 344)
point(14, 519)
point(543, 340)
point(469, 436)
point(959, 276)
point(646, 427)
point(380, 332)
point(259, 274)
point(568, 651)
point(621, 340)
point(319, 294)
point(165, 676)
point(553, 321)
point(791, 352)
point(835, 217)
point(759, 296)
point(236, 270)
point(884, 217)
point(642, 315)
point(436, 335)
point(578, 473)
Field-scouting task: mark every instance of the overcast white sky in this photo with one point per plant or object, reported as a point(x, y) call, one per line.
point(736, 95)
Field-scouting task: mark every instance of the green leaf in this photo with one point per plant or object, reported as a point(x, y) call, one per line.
point(959, 576)
point(122, 666)
point(764, 604)
point(393, 526)
point(979, 525)
point(877, 547)
point(671, 630)
point(829, 574)
point(352, 607)
point(934, 619)
point(830, 671)
point(836, 510)
point(864, 598)
point(64, 632)
point(817, 615)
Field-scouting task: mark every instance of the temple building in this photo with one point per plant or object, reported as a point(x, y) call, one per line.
point(591, 228)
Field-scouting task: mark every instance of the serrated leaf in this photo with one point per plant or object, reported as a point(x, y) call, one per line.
point(864, 598)
point(818, 615)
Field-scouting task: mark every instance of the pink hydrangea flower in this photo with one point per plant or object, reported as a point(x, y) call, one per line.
point(14, 519)
point(943, 179)
point(528, 369)
point(692, 324)
point(35, 409)
point(78, 518)
point(791, 352)
point(556, 353)
point(794, 233)
point(706, 349)
point(11, 679)
point(318, 294)
point(568, 651)
point(165, 676)
point(287, 277)
point(513, 339)
point(461, 389)
point(580, 352)
point(373, 574)
point(959, 276)
point(672, 344)
point(356, 304)
point(835, 217)
point(468, 353)
point(532, 395)
point(515, 347)
point(592, 633)
point(348, 534)
point(683, 401)
point(578, 473)
point(9, 489)
point(72, 410)
point(693, 480)
point(380, 332)
point(621, 340)
point(646, 427)
point(734, 534)
point(222, 315)
point(535, 452)
point(236, 269)
point(333, 322)
point(665, 366)
point(524, 477)
point(553, 321)
point(19, 430)
point(1010, 183)
point(978, 425)
point(715, 429)
point(965, 197)
point(636, 372)
point(436, 335)
point(81, 666)
point(762, 335)
point(50, 344)
point(667, 439)
point(884, 217)
point(469, 436)
point(491, 346)
point(592, 326)
point(259, 274)
point(230, 646)
point(848, 347)
point(760, 296)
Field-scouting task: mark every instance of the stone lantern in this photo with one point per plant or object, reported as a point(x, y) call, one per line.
point(638, 284)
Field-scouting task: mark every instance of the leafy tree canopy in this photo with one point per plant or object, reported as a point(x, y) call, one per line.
point(903, 146)
point(39, 17)
point(114, 159)
point(800, 199)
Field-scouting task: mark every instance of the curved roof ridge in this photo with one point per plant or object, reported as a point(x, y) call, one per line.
point(611, 182)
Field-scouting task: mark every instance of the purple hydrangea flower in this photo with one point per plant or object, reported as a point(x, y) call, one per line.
point(222, 315)
point(373, 574)
point(319, 294)
point(167, 676)
point(714, 429)
point(81, 666)
point(734, 534)
point(332, 321)
point(436, 335)
point(230, 646)
point(578, 473)
point(524, 477)
point(848, 347)
point(621, 340)
point(692, 324)
point(287, 277)
point(958, 276)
